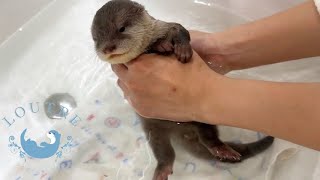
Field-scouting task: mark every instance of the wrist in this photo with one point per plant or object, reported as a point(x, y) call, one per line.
point(235, 46)
point(211, 98)
point(227, 101)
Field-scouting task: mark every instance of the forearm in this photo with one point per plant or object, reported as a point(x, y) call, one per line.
point(289, 35)
point(285, 110)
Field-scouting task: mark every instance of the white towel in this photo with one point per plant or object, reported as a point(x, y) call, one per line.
point(108, 142)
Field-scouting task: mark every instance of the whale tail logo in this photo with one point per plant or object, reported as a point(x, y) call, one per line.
point(44, 150)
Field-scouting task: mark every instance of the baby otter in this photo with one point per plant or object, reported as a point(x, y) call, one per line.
point(122, 30)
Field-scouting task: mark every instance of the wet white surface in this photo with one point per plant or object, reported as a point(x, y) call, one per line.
point(14, 13)
point(53, 53)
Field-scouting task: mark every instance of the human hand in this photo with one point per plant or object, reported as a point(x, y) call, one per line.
point(211, 51)
point(161, 87)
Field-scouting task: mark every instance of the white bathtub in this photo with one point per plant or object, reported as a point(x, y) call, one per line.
point(46, 48)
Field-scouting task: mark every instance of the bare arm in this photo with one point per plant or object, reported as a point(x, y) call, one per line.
point(286, 110)
point(289, 35)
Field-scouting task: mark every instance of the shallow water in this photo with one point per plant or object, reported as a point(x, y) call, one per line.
point(53, 53)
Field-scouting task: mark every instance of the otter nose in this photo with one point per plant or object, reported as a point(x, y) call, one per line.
point(109, 48)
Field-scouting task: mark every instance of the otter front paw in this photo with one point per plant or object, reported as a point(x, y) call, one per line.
point(183, 52)
point(164, 46)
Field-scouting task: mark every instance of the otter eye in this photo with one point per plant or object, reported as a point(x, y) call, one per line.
point(122, 29)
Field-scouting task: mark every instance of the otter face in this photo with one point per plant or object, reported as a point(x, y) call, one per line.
point(118, 30)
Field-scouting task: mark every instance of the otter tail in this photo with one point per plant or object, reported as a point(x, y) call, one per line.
point(251, 149)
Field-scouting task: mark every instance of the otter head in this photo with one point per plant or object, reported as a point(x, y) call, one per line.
point(118, 30)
